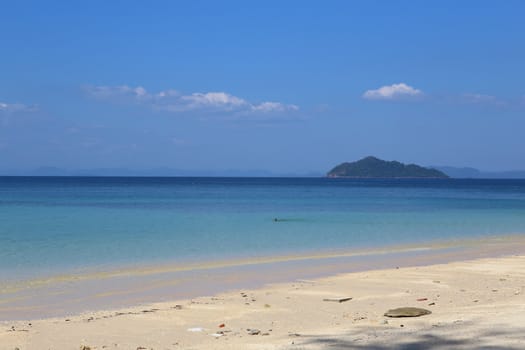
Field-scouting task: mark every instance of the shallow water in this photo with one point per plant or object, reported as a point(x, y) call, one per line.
point(111, 291)
point(57, 225)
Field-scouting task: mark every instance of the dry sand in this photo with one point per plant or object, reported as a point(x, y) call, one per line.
point(477, 304)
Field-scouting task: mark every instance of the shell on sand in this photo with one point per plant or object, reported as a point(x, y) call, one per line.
point(407, 312)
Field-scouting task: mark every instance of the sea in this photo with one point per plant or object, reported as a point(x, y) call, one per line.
point(52, 226)
point(56, 224)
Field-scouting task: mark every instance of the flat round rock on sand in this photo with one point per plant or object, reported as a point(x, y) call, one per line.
point(407, 312)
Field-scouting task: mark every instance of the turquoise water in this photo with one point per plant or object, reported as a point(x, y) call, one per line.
point(52, 225)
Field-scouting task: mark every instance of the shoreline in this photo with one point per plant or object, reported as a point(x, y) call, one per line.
point(475, 303)
point(63, 295)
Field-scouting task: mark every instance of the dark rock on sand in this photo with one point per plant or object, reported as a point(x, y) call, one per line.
point(253, 331)
point(407, 312)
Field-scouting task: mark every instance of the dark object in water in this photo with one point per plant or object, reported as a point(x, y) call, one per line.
point(287, 220)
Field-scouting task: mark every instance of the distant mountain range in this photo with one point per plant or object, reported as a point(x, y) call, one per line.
point(54, 171)
point(471, 173)
point(372, 167)
point(453, 172)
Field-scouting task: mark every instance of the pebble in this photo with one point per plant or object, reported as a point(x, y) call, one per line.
point(407, 312)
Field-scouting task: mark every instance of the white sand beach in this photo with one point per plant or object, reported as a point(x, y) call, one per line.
point(475, 304)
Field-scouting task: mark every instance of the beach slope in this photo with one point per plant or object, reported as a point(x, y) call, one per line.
point(477, 304)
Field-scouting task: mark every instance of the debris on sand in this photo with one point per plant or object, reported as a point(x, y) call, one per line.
point(253, 331)
point(407, 312)
point(337, 300)
point(195, 329)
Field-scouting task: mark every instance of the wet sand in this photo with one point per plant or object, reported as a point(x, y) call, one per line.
point(475, 303)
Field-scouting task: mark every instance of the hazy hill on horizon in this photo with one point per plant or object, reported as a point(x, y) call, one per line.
point(473, 173)
point(372, 167)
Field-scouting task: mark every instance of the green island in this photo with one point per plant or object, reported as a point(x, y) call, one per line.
point(372, 167)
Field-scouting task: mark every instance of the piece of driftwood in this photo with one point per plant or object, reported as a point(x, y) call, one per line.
point(337, 300)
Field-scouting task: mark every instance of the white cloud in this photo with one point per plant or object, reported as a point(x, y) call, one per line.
point(212, 99)
point(168, 93)
point(173, 101)
point(479, 97)
point(392, 92)
point(269, 107)
point(482, 99)
point(104, 92)
point(15, 107)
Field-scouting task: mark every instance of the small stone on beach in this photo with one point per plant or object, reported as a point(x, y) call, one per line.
point(407, 312)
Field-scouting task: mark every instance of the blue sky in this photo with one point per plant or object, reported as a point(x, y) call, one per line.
point(287, 87)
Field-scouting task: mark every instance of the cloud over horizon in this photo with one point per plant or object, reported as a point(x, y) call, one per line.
point(392, 92)
point(16, 107)
point(176, 102)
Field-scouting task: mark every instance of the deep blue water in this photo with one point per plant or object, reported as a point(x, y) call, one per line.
point(52, 225)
